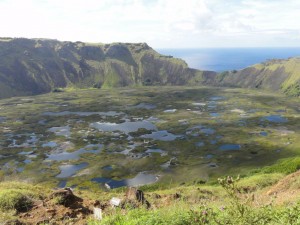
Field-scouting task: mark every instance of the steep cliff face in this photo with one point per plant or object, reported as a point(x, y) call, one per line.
point(274, 75)
point(33, 66)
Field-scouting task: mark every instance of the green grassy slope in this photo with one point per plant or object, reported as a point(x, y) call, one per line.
point(275, 75)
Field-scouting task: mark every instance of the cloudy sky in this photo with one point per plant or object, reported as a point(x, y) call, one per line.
point(160, 23)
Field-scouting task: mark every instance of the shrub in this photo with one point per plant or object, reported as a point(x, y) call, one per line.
point(286, 166)
point(14, 200)
point(56, 90)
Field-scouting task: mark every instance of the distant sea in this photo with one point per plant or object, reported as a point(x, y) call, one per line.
point(222, 59)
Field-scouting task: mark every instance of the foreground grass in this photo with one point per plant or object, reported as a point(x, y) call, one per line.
point(235, 209)
point(231, 201)
point(181, 214)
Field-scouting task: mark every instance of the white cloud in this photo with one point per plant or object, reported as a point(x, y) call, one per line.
point(162, 23)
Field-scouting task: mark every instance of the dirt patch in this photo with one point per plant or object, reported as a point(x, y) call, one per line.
point(284, 190)
point(61, 207)
point(64, 207)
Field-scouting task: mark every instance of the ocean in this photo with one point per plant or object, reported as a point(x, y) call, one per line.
point(223, 59)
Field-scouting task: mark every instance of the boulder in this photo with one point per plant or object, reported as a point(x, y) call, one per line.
point(136, 197)
point(65, 197)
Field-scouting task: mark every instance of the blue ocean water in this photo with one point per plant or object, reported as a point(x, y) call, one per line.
point(222, 59)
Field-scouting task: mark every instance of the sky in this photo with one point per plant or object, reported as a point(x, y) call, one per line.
point(160, 23)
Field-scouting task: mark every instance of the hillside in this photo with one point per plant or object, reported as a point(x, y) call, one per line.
point(34, 66)
point(274, 75)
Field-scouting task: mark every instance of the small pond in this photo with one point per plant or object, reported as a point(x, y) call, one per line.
point(213, 165)
point(20, 169)
point(216, 98)
point(139, 180)
point(68, 113)
point(170, 110)
point(199, 128)
point(42, 122)
point(161, 135)
point(61, 131)
point(229, 147)
point(212, 105)
point(50, 144)
point(154, 120)
point(25, 153)
point(263, 133)
point(107, 168)
point(62, 184)
point(168, 164)
point(144, 106)
point(199, 104)
point(70, 170)
point(28, 143)
point(275, 119)
point(213, 142)
point(240, 111)
point(209, 156)
point(74, 155)
point(125, 127)
point(280, 111)
point(183, 122)
point(214, 114)
point(27, 161)
point(161, 152)
point(200, 144)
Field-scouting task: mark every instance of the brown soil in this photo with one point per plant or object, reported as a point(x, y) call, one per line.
point(284, 191)
point(61, 207)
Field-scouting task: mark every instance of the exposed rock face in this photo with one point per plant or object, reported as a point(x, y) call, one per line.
point(273, 75)
point(34, 66)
